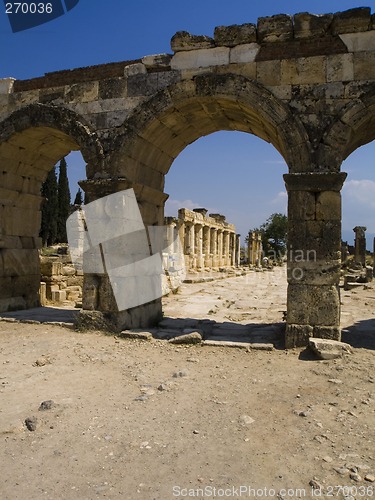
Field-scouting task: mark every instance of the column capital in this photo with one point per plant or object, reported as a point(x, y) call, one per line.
point(315, 181)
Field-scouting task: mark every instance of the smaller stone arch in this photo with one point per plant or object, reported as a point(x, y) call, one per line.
point(32, 140)
point(353, 127)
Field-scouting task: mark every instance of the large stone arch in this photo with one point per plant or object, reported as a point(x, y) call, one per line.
point(32, 140)
point(161, 127)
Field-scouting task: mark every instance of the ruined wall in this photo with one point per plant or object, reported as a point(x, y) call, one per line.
point(304, 83)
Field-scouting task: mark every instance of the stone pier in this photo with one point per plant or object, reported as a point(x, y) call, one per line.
point(254, 249)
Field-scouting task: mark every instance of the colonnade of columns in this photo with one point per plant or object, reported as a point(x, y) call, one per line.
point(254, 249)
point(208, 241)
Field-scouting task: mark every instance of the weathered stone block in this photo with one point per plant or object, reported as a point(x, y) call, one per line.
point(277, 28)
point(313, 305)
point(6, 85)
point(297, 335)
point(20, 262)
point(305, 70)
point(112, 88)
point(58, 295)
point(351, 21)
point(328, 205)
point(202, 58)
point(183, 41)
point(144, 85)
point(135, 69)
point(269, 72)
point(308, 270)
point(364, 65)
point(82, 92)
point(308, 25)
point(340, 68)
point(231, 36)
point(301, 205)
point(359, 42)
point(329, 347)
point(244, 53)
point(157, 61)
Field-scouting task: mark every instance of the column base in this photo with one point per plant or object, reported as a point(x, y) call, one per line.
point(144, 316)
point(299, 335)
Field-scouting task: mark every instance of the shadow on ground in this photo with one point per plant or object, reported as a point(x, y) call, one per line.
point(43, 315)
point(361, 334)
point(226, 331)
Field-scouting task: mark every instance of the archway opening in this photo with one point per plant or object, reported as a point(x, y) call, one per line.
point(238, 177)
point(358, 237)
point(27, 156)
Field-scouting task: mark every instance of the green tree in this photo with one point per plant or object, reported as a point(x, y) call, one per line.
point(274, 235)
point(63, 202)
point(48, 230)
point(78, 200)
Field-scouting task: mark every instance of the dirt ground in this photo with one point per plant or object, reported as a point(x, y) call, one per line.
point(152, 420)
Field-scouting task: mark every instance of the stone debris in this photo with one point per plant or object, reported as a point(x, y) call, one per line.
point(46, 405)
point(188, 338)
point(31, 423)
point(136, 335)
point(329, 349)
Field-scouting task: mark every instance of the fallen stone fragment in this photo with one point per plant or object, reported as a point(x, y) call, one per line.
point(315, 485)
point(127, 334)
point(355, 476)
point(30, 423)
point(180, 374)
point(188, 338)
point(329, 349)
point(262, 347)
point(246, 420)
point(222, 343)
point(46, 405)
point(370, 478)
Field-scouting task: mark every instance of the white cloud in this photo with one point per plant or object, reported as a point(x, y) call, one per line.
point(280, 202)
point(361, 192)
point(358, 204)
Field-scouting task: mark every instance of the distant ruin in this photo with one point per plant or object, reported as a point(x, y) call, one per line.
point(208, 241)
point(304, 83)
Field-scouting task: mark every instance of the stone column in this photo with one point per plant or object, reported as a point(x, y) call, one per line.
point(220, 247)
point(214, 247)
point(237, 262)
point(99, 304)
point(226, 251)
point(314, 244)
point(207, 246)
point(199, 246)
point(360, 245)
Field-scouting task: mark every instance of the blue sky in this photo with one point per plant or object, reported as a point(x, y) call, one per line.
point(232, 173)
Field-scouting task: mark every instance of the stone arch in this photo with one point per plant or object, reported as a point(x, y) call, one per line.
point(353, 127)
point(32, 140)
point(161, 127)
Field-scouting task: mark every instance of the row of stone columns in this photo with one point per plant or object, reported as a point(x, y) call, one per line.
point(208, 242)
point(254, 249)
